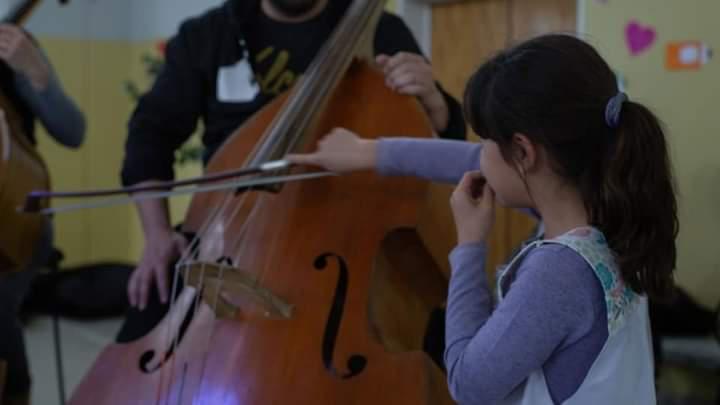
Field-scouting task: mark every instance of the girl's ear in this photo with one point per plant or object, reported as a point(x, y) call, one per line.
point(524, 151)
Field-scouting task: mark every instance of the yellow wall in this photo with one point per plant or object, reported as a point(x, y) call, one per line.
point(688, 103)
point(94, 73)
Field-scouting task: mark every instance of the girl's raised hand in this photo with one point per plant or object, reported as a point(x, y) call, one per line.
point(473, 206)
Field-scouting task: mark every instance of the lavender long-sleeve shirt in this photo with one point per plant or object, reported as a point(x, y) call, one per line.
point(553, 317)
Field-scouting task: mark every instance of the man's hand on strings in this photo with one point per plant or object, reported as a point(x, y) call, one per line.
point(411, 74)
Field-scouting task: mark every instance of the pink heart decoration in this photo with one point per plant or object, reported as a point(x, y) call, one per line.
point(639, 38)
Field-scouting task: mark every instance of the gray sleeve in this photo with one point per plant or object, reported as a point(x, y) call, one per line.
point(442, 161)
point(489, 353)
point(56, 111)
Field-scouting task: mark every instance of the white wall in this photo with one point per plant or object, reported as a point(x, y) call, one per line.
point(135, 20)
point(418, 16)
point(140, 20)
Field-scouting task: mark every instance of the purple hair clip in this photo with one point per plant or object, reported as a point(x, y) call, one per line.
point(613, 109)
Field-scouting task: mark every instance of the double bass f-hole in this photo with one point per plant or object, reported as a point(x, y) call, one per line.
point(148, 363)
point(356, 363)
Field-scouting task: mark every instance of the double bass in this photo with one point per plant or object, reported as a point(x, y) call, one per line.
point(22, 170)
point(305, 292)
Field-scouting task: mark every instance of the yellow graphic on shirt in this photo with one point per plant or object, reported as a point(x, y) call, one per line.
point(278, 78)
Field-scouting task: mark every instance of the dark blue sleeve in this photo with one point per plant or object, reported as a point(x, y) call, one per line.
point(166, 116)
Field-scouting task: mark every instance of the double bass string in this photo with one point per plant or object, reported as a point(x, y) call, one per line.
point(309, 93)
point(182, 267)
point(206, 350)
point(302, 107)
point(221, 277)
point(185, 263)
point(239, 245)
point(318, 84)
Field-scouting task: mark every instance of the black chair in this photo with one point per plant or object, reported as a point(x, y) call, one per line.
point(685, 334)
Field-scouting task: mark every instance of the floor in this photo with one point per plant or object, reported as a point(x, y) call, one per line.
point(683, 382)
point(692, 372)
point(82, 341)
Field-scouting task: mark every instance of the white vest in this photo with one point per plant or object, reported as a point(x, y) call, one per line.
point(623, 371)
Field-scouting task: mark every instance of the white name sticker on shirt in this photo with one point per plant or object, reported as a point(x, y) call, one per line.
point(236, 83)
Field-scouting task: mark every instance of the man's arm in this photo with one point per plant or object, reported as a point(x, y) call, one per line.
point(162, 246)
point(165, 118)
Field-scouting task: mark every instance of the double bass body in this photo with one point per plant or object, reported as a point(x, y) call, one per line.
point(317, 292)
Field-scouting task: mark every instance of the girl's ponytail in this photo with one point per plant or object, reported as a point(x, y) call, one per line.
point(635, 203)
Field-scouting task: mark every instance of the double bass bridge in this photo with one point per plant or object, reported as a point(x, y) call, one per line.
point(231, 291)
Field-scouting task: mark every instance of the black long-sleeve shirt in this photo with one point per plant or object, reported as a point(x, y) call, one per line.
point(224, 66)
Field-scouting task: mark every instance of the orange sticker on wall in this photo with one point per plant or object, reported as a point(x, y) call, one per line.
point(686, 55)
